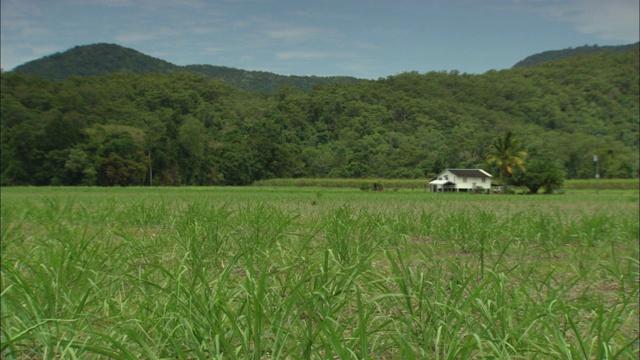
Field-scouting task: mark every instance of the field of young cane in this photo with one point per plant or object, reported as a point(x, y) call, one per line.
point(291, 273)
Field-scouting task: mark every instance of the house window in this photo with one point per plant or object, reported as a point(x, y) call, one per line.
point(446, 177)
point(483, 178)
point(439, 178)
point(464, 179)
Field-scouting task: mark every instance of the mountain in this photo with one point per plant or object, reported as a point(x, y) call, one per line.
point(102, 59)
point(94, 60)
point(571, 52)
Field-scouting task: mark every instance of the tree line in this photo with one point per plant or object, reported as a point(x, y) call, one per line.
point(173, 129)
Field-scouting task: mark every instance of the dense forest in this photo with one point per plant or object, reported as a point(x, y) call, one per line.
point(180, 128)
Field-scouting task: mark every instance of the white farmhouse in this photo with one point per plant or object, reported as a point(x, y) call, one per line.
point(461, 180)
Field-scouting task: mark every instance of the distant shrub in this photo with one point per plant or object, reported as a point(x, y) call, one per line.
point(603, 184)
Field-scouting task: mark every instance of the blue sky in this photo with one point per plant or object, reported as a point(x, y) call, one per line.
point(361, 38)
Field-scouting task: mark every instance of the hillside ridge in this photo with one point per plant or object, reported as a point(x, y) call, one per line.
point(103, 58)
point(552, 55)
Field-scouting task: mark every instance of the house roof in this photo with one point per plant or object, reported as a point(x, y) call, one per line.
point(470, 172)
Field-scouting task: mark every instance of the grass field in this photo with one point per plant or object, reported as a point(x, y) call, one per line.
point(316, 273)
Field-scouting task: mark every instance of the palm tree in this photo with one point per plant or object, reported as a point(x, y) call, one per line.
point(506, 153)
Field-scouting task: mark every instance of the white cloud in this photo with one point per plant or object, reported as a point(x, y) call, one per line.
point(610, 20)
point(18, 19)
point(294, 33)
point(135, 37)
point(14, 56)
point(616, 20)
point(364, 69)
point(303, 55)
point(204, 30)
point(23, 27)
point(157, 33)
point(144, 4)
point(314, 55)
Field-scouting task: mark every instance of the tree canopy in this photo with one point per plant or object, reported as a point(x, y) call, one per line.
point(507, 154)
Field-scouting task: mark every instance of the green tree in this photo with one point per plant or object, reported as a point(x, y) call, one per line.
point(80, 169)
point(116, 171)
point(541, 173)
point(505, 152)
point(21, 159)
point(235, 164)
point(59, 132)
point(193, 136)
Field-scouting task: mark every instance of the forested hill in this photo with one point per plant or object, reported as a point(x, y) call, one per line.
point(102, 59)
point(186, 129)
point(92, 60)
point(571, 52)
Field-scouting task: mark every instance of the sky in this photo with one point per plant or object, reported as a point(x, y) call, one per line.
point(362, 38)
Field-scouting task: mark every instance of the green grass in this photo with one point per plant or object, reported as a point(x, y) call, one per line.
point(316, 273)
